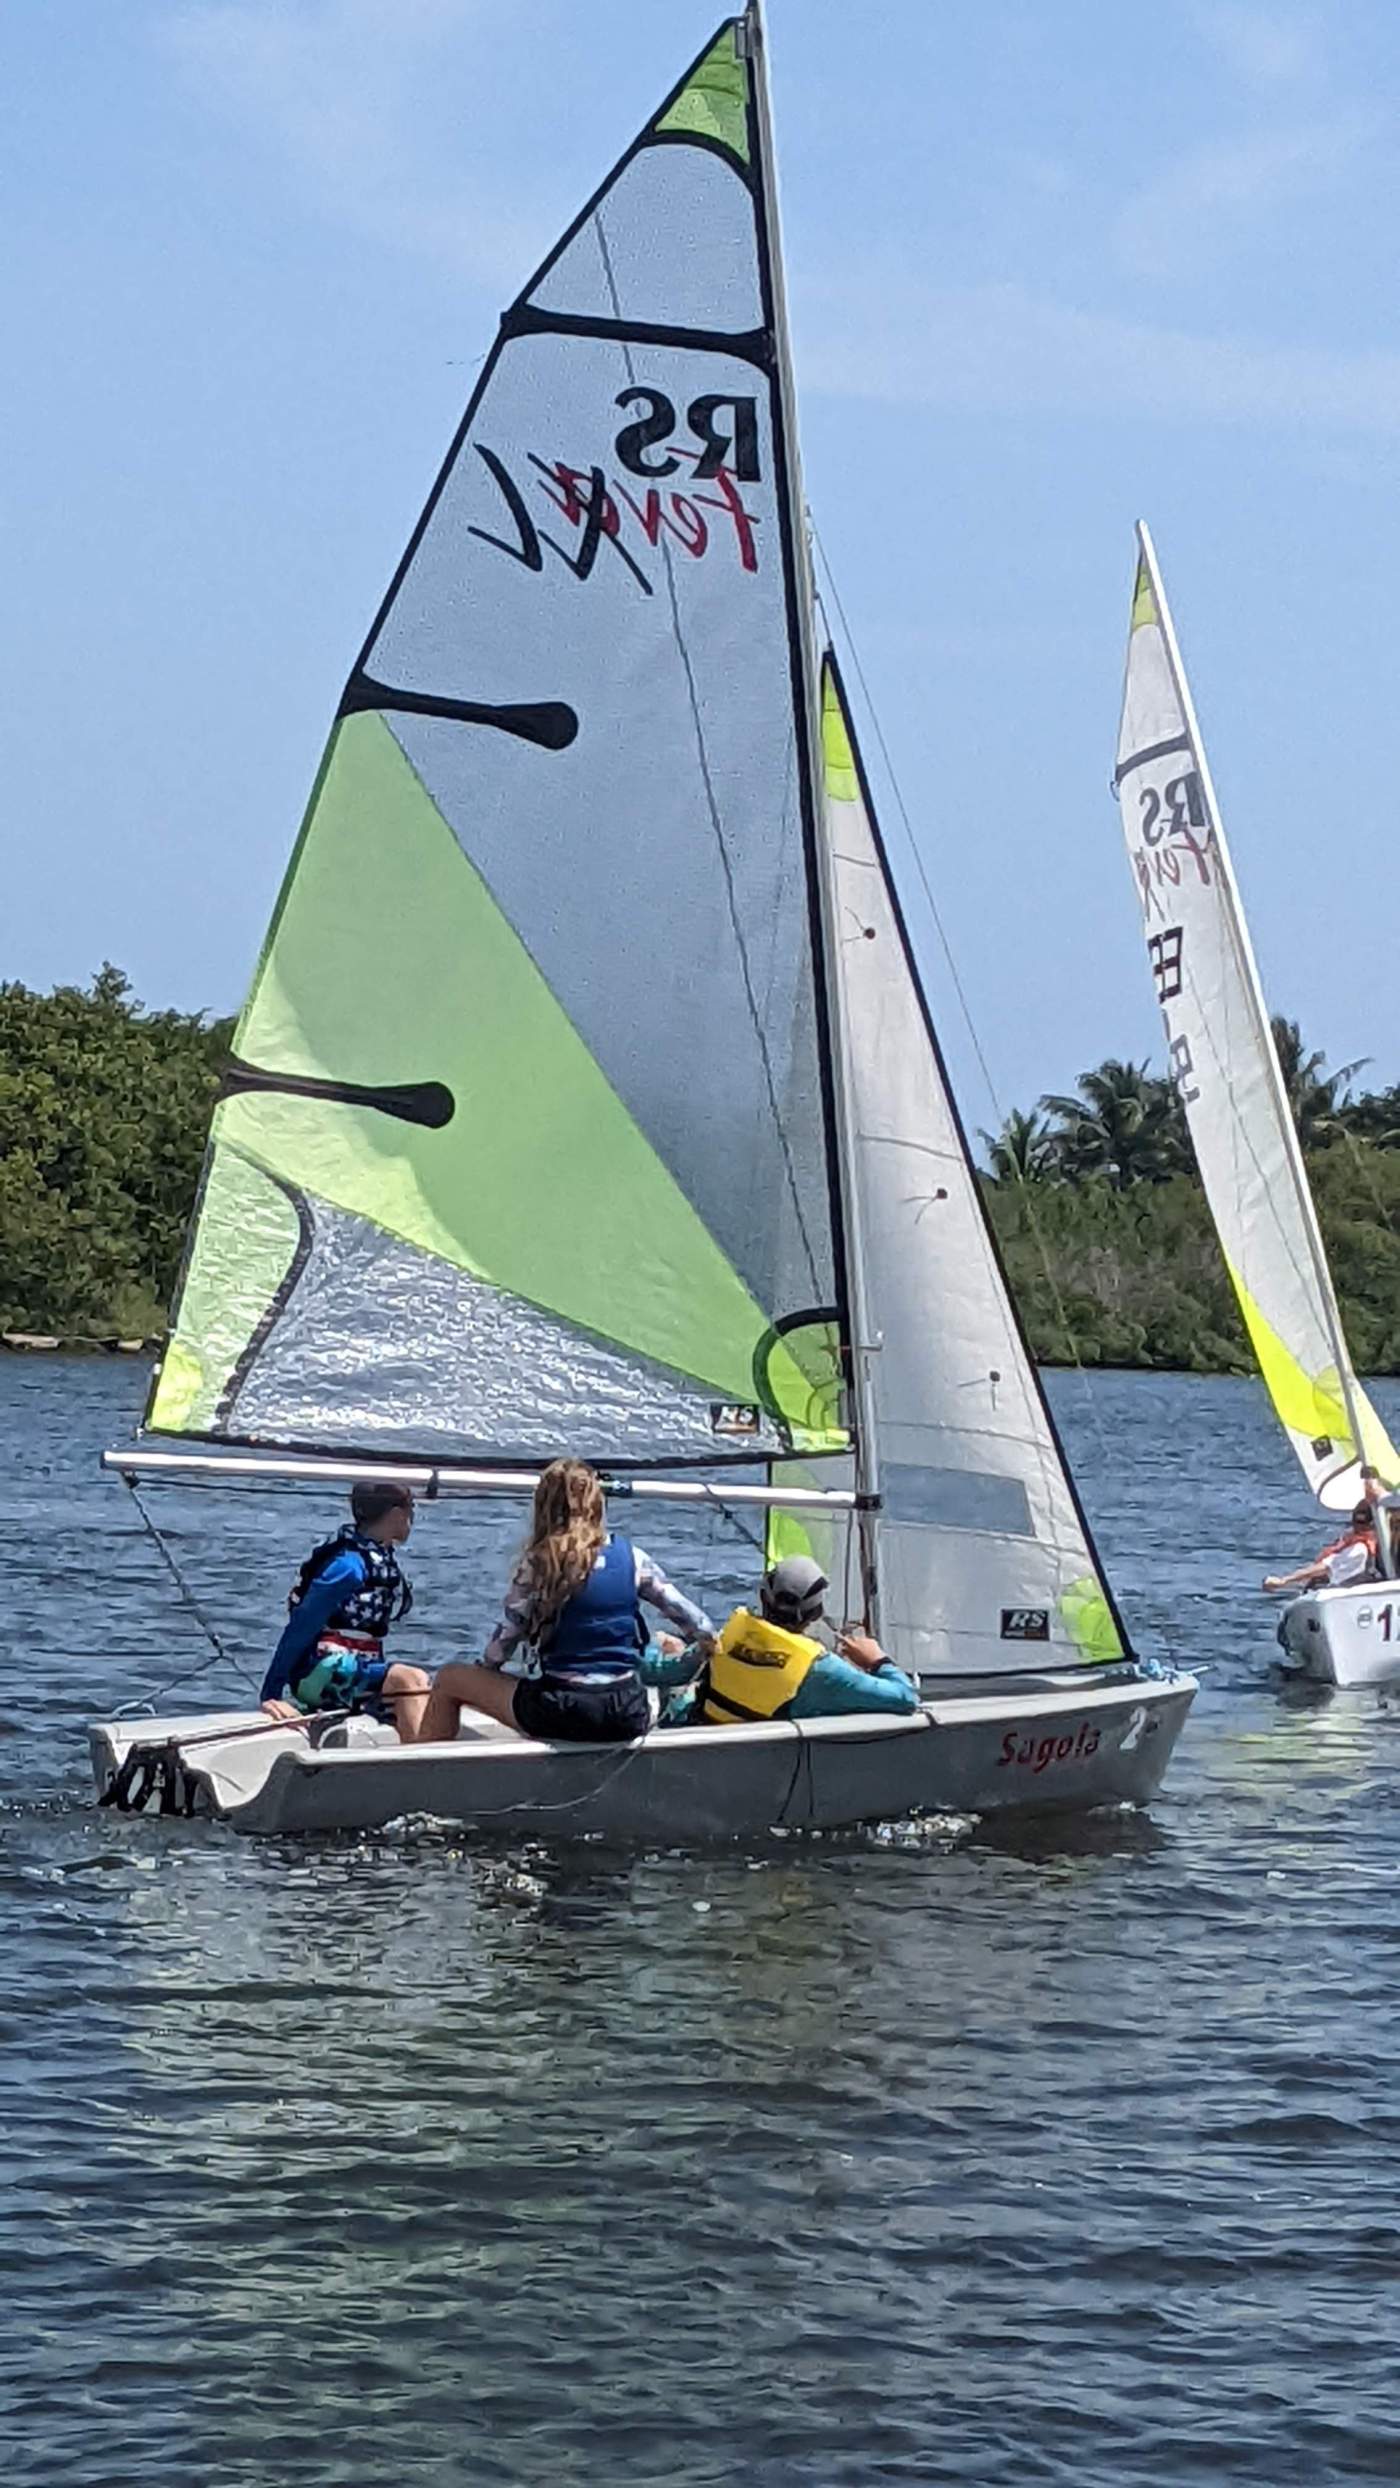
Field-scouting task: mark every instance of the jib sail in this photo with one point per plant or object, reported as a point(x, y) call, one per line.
point(986, 1563)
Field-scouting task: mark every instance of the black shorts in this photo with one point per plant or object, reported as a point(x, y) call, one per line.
point(601, 1714)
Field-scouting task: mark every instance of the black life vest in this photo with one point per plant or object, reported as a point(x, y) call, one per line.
point(381, 1598)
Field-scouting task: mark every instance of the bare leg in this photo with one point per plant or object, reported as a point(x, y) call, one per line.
point(405, 1697)
point(461, 1683)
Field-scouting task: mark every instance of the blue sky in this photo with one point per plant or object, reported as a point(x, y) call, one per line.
point(1050, 267)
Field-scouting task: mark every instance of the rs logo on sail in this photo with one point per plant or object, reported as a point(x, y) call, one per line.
point(722, 454)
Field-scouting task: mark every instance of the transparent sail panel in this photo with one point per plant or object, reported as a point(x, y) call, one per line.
point(531, 1074)
point(1220, 1051)
point(985, 1566)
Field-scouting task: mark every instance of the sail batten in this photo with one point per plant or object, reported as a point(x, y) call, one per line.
point(530, 1140)
point(1224, 1062)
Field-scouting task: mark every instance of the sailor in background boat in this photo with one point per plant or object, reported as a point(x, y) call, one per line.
point(773, 1666)
point(349, 1591)
point(575, 1601)
point(1352, 1557)
point(1385, 1512)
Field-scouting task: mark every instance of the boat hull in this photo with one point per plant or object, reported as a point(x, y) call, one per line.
point(1347, 1636)
point(1056, 1746)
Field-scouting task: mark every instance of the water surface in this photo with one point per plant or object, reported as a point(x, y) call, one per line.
point(1061, 2154)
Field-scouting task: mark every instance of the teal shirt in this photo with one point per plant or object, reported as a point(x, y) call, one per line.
point(833, 1688)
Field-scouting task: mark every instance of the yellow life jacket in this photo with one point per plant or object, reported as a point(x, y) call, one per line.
point(755, 1669)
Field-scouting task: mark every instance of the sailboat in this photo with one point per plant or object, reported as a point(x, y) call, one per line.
point(1223, 1060)
point(586, 1097)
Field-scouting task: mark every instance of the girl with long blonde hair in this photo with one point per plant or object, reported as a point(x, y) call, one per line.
point(574, 1603)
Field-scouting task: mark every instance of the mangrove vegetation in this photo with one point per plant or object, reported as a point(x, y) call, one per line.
point(104, 1106)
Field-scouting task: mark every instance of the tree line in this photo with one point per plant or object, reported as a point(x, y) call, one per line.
point(103, 1111)
point(1108, 1242)
point(1126, 1124)
point(104, 1107)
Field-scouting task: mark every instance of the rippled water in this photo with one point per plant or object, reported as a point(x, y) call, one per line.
point(1055, 2155)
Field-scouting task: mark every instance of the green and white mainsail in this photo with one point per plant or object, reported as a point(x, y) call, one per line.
point(1225, 1065)
point(529, 1137)
point(986, 1561)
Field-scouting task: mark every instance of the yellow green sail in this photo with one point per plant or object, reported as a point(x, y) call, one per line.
point(1221, 1054)
point(528, 1140)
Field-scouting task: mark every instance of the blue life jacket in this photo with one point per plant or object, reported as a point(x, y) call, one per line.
point(601, 1626)
point(381, 1598)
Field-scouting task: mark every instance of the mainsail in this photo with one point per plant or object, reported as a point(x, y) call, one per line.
point(1225, 1066)
point(529, 1137)
point(986, 1562)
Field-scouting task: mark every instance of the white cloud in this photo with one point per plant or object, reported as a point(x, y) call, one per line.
point(1219, 196)
point(342, 91)
point(1002, 348)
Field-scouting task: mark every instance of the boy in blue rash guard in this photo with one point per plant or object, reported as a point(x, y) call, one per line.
point(350, 1590)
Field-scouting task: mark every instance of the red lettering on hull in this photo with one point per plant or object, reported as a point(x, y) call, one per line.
point(1027, 1752)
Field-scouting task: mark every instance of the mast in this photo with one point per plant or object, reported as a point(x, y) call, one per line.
point(1239, 931)
point(753, 37)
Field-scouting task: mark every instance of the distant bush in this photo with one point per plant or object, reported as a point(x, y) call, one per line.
point(103, 1111)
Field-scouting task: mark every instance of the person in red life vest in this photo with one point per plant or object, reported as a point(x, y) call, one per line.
point(348, 1593)
point(1351, 1558)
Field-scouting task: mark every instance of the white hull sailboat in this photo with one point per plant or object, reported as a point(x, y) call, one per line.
point(586, 1098)
point(1222, 1056)
point(1053, 1747)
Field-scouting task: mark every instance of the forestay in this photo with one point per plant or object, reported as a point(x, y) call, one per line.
point(1223, 1060)
point(528, 1140)
point(986, 1564)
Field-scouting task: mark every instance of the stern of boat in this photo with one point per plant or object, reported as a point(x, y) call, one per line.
point(1348, 1636)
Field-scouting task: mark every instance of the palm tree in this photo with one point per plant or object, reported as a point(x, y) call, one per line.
point(1021, 1151)
point(1317, 1099)
point(1374, 1116)
point(1125, 1124)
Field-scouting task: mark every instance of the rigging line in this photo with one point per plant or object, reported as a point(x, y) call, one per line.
point(715, 1498)
point(219, 1655)
point(1042, 1249)
point(717, 825)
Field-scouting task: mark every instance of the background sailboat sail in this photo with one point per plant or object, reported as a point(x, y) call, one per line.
point(1222, 1057)
point(986, 1564)
point(529, 1137)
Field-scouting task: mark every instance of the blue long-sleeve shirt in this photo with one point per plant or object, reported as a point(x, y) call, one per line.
point(310, 1618)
